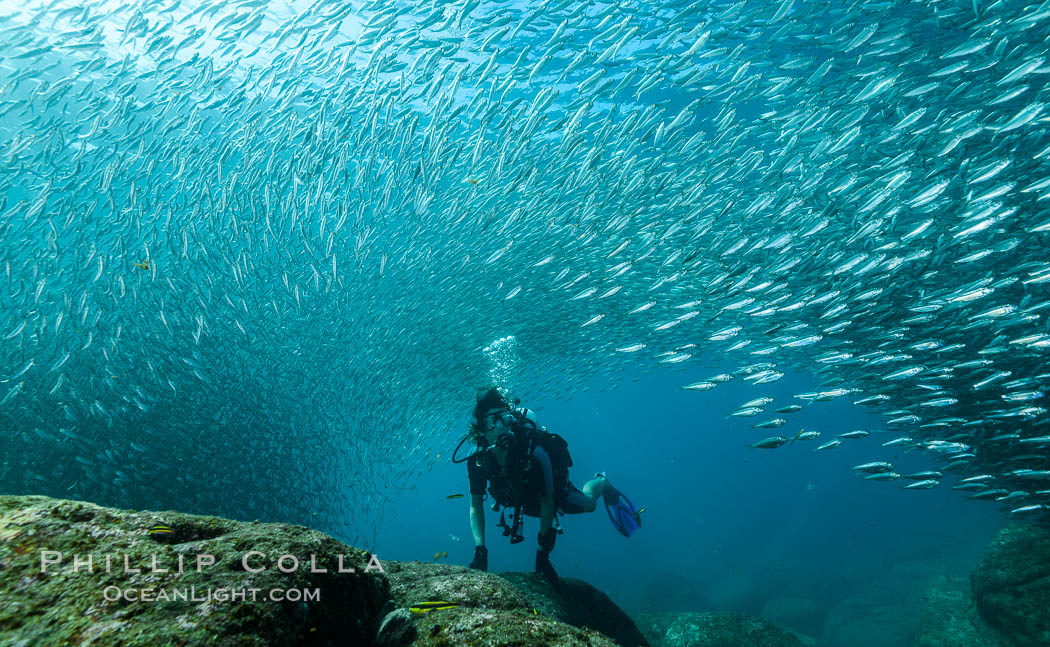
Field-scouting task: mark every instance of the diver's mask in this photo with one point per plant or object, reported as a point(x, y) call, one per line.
point(498, 417)
point(479, 430)
point(503, 420)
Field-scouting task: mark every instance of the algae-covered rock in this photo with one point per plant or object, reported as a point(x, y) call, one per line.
point(413, 582)
point(579, 604)
point(711, 629)
point(1011, 584)
point(474, 627)
point(74, 573)
point(949, 618)
point(492, 610)
point(397, 629)
point(55, 587)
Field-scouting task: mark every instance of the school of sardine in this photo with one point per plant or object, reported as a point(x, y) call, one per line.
point(283, 236)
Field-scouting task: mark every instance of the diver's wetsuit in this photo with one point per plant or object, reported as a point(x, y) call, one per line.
point(526, 487)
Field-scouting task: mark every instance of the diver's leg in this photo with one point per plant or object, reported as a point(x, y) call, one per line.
point(592, 491)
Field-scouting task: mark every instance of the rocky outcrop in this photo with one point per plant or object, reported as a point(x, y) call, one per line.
point(1011, 585)
point(74, 573)
point(80, 574)
point(412, 582)
point(511, 603)
point(709, 629)
point(949, 618)
point(478, 627)
point(579, 604)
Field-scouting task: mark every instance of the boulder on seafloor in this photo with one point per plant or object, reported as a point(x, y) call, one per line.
point(502, 607)
point(69, 601)
point(1011, 584)
point(949, 618)
point(713, 629)
point(579, 604)
point(413, 582)
point(478, 627)
point(397, 629)
point(57, 598)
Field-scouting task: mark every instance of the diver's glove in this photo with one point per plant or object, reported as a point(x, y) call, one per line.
point(481, 559)
point(544, 568)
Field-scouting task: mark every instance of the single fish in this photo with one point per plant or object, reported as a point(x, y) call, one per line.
point(757, 402)
point(806, 435)
point(745, 413)
point(769, 443)
point(770, 424)
point(700, 386)
point(421, 608)
point(871, 468)
point(882, 476)
point(923, 476)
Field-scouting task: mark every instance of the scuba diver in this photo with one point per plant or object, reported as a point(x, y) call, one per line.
point(526, 468)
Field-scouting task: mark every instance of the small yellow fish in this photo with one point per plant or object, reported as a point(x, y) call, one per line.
point(472, 180)
point(142, 264)
point(424, 607)
point(455, 496)
point(161, 530)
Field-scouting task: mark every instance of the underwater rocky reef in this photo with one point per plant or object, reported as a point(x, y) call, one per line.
point(75, 573)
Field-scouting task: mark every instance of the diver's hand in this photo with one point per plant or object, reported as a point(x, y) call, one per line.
point(545, 569)
point(481, 559)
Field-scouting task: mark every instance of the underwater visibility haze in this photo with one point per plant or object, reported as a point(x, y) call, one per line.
point(778, 268)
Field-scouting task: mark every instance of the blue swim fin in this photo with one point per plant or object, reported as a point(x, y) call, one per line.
point(622, 513)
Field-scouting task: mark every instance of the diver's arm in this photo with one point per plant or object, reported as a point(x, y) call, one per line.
point(477, 519)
